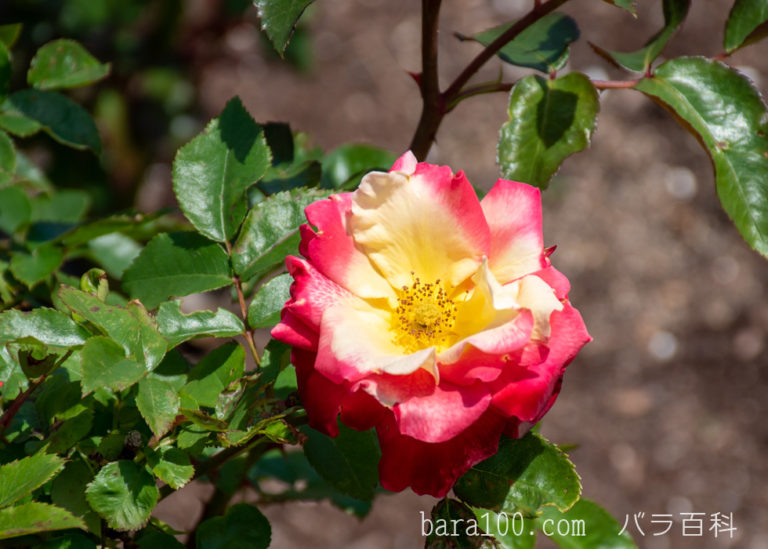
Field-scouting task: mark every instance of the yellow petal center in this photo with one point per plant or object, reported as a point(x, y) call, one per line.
point(424, 316)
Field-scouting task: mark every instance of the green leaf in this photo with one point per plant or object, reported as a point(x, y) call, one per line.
point(67, 492)
point(346, 165)
point(276, 357)
point(278, 19)
point(132, 224)
point(105, 365)
point(35, 517)
point(171, 465)
point(213, 374)
point(628, 5)
point(65, 121)
point(14, 207)
point(348, 462)
point(37, 265)
point(722, 109)
point(542, 46)
point(42, 325)
point(151, 538)
point(158, 403)
point(66, 206)
point(451, 525)
point(5, 70)
point(640, 60)
point(524, 475)
point(589, 526)
point(204, 421)
point(243, 527)
point(548, 121)
point(124, 494)
point(265, 308)
point(19, 478)
point(271, 231)
point(178, 327)
point(73, 540)
point(130, 326)
point(512, 531)
point(287, 177)
point(71, 431)
point(16, 123)
point(9, 34)
point(746, 22)
point(280, 140)
point(7, 159)
point(176, 264)
point(115, 252)
point(212, 172)
point(64, 64)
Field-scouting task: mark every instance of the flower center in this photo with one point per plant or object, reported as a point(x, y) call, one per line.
point(424, 317)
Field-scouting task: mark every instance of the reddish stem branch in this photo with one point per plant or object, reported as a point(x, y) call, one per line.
point(436, 104)
point(615, 84)
point(433, 107)
point(248, 333)
point(15, 406)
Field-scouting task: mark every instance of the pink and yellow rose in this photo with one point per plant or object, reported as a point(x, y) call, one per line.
point(430, 315)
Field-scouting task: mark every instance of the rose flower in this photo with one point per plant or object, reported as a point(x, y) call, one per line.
point(430, 315)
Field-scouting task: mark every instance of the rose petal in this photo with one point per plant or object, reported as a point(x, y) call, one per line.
point(518, 393)
point(433, 468)
point(332, 251)
point(429, 223)
point(538, 297)
point(513, 213)
point(356, 340)
point(292, 331)
point(500, 340)
point(405, 164)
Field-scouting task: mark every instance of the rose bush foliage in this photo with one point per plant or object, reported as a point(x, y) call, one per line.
point(430, 315)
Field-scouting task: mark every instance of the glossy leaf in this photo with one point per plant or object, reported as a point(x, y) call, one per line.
point(589, 526)
point(124, 494)
point(37, 265)
point(722, 109)
point(64, 64)
point(213, 171)
point(158, 403)
point(265, 308)
point(278, 19)
point(178, 327)
point(35, 517)
point(344, 166)
point(640, 60)
point(213, 374)
point(114, 252)
point(176, 264)
point(271, 231)
point(19, 478)
point(348, 462)
point(542, 46)
point(548, 121)
point(130, 326)
point(66, 121)
point(15, 209)
point(747, 19)
point(7, 158)
point(105, 365)
point(43, 325)
point(525, 475)
point(171, 465)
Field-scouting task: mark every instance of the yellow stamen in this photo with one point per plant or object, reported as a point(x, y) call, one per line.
point(424, 316)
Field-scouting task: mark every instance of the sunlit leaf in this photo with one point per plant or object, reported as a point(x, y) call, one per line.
point(746, 23)
point(64, 64)
point(124, 494)
point(278, 19)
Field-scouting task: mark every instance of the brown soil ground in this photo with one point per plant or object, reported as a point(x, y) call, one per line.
point(668, 403)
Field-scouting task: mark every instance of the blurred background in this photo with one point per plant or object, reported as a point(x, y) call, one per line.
point(667, 404)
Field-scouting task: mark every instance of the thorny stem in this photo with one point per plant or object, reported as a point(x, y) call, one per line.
point(433, 105)
point(436, 104)
point(248, 334)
